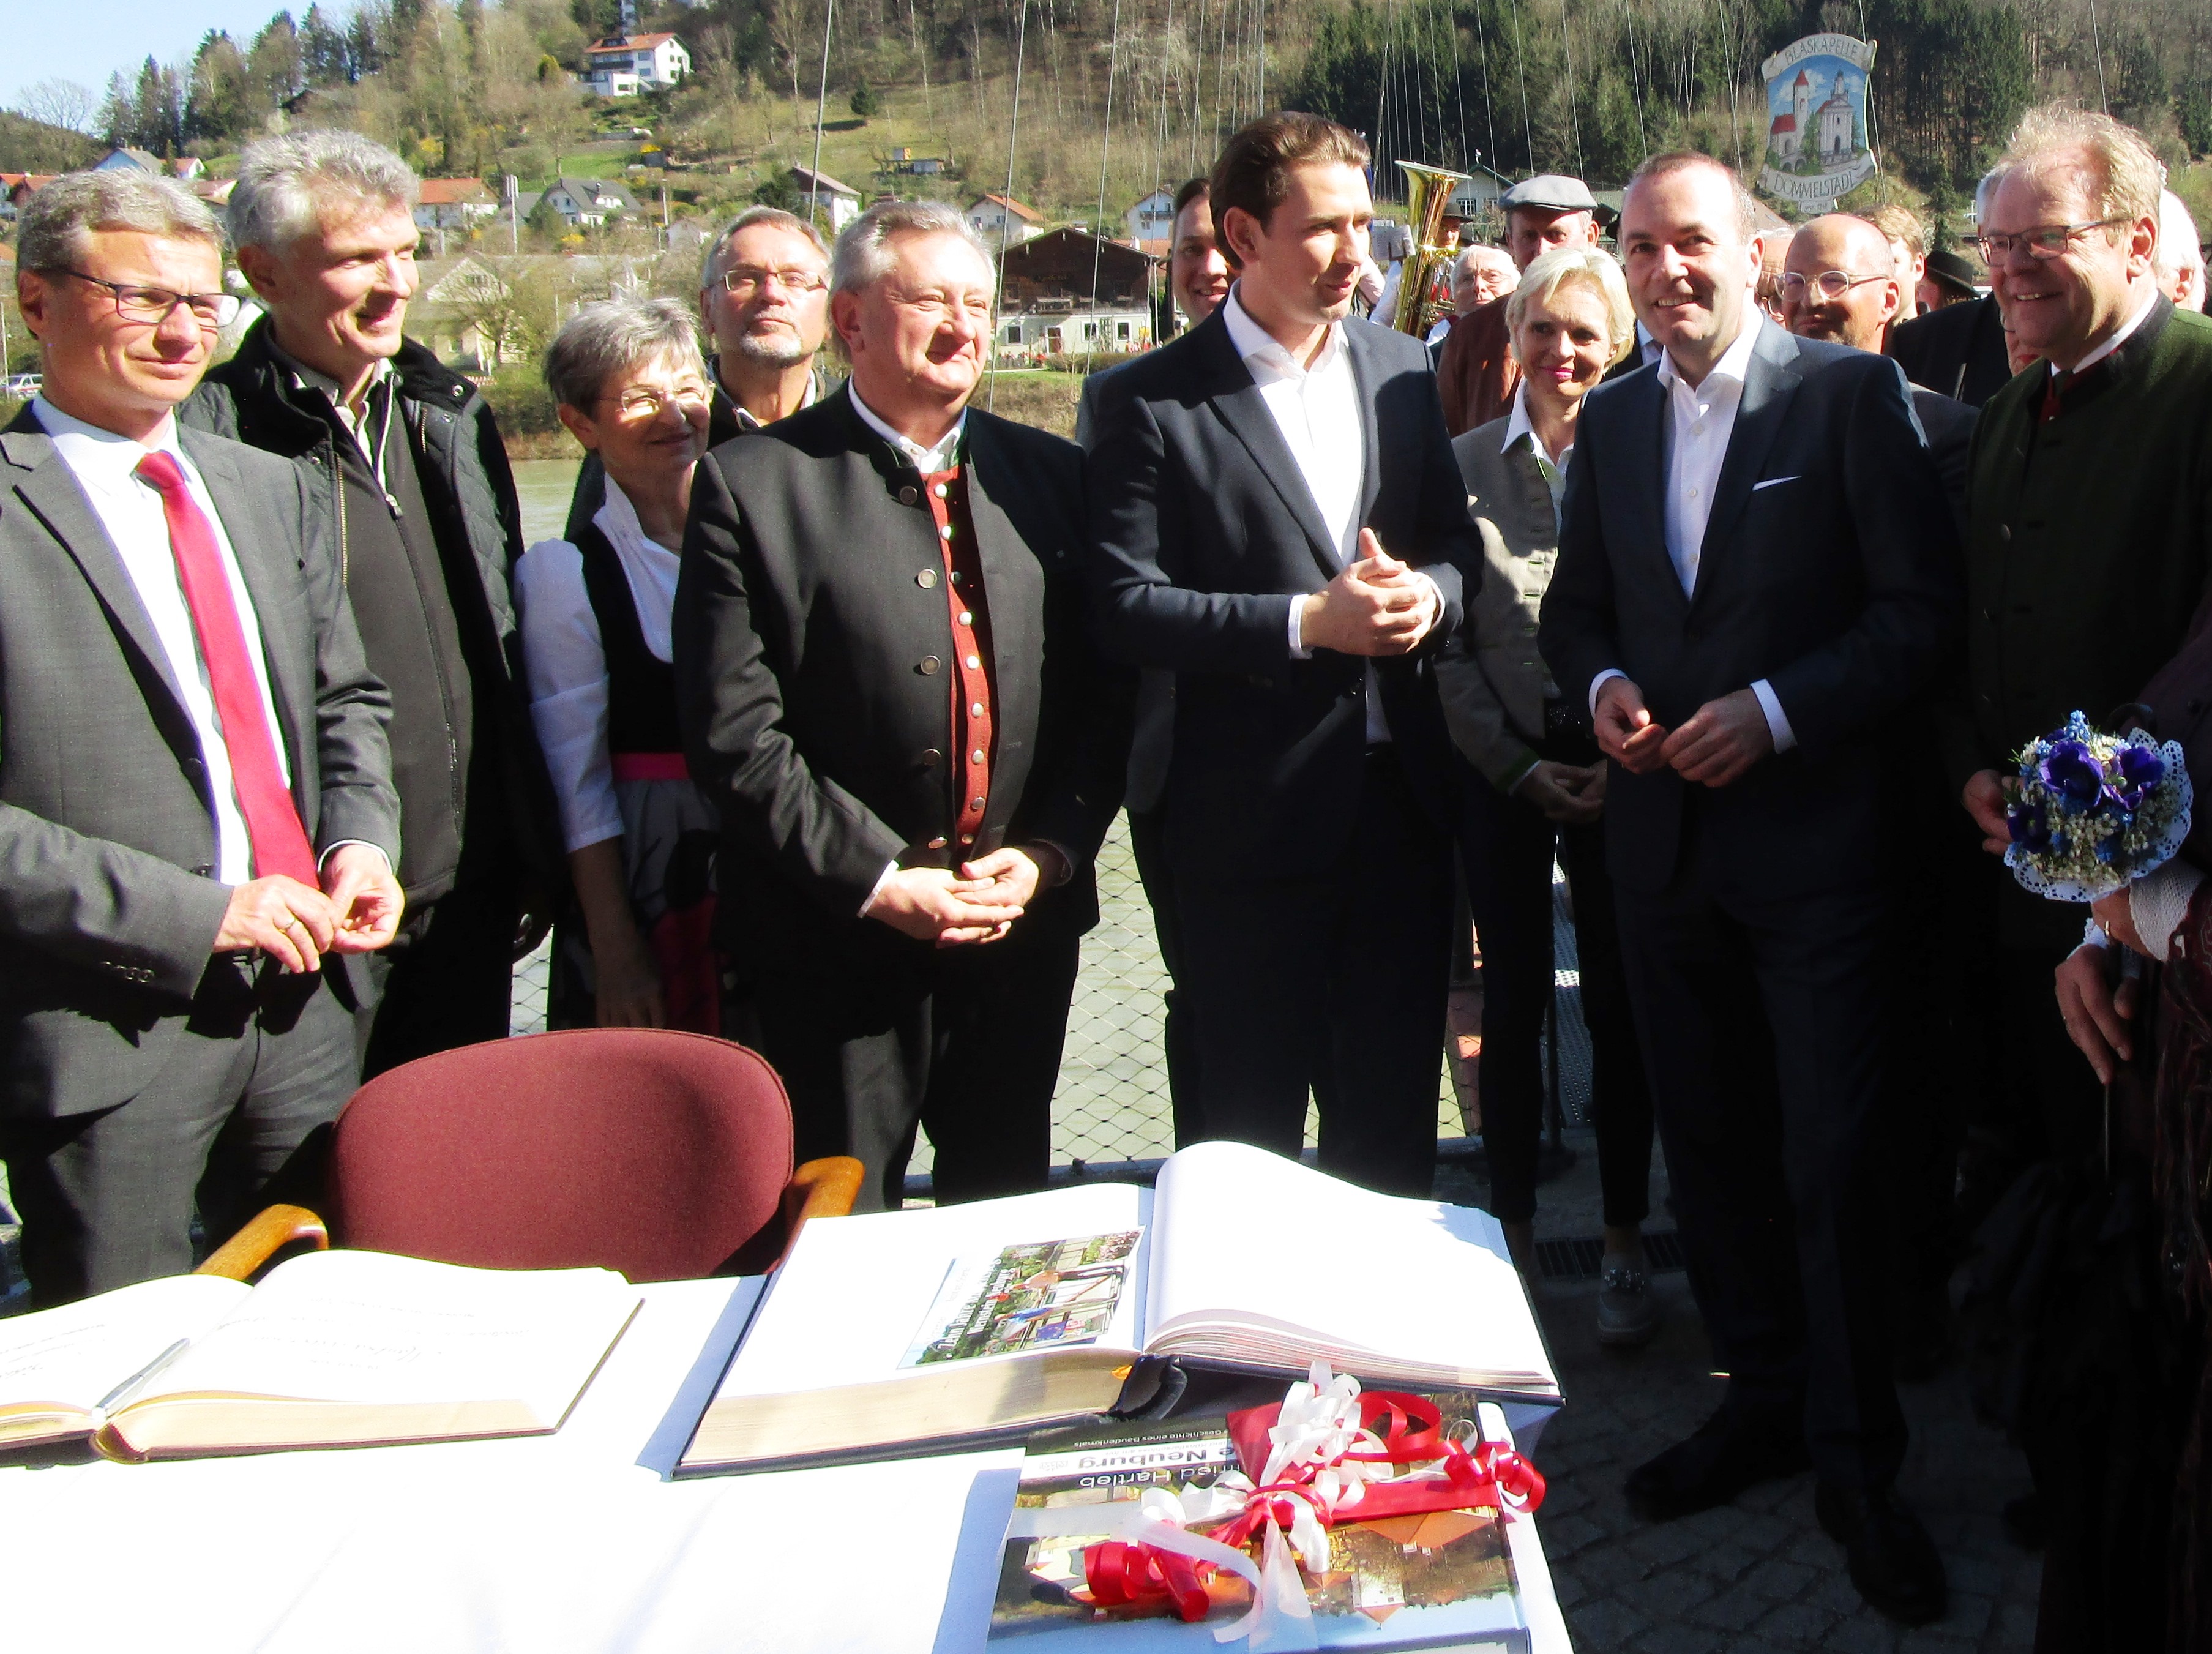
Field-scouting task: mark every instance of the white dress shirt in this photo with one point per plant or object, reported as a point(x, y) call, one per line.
point(925, 460)
point(129, 509)
point(1317, 410)
point(567, 660)
point(1703, 419)
point(1553, 467)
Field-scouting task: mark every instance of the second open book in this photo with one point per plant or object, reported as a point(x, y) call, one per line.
point(970, 1323)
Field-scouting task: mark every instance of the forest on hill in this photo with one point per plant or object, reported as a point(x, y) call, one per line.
point(1074, 98)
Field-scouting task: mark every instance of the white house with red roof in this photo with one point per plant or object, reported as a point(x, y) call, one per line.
point(623, 65)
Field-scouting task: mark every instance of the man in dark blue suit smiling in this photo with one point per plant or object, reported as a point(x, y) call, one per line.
point(1276, 518)
point(1756, 568)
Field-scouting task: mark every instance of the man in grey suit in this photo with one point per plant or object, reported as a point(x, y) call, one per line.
point(195, 805)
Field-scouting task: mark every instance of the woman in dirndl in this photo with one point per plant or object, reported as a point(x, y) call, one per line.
point(631, 385)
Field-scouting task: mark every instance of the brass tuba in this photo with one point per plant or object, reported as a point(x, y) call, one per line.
point(1428, 193)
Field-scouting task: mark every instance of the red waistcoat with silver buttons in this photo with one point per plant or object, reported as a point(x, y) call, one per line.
point(970, 682)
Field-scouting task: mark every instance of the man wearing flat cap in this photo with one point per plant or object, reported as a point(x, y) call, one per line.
point(1476, 373)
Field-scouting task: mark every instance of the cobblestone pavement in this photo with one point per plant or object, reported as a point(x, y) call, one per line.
point(1758, 1577)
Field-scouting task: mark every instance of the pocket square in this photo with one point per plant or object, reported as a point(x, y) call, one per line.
point(1774, 481)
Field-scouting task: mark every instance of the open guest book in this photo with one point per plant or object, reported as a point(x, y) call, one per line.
point(332, 1349)
point(933, 1330)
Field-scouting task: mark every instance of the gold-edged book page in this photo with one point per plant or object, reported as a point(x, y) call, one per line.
point(191, 1424)
point(24, 1423)
point(953, 1402)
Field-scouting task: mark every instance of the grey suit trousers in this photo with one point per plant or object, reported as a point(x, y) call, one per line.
point(106, 1198)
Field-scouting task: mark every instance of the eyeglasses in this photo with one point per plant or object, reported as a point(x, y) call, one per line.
point(638, 403)
point(744, 281)
point(2044, 241)
point(212, 311)
point(1831, 284)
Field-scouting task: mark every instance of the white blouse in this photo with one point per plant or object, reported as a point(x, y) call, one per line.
point(566, 664)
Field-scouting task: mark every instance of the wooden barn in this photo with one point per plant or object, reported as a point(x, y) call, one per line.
point(1049, 306)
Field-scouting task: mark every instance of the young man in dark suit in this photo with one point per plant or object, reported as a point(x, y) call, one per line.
point(888, 691)
point(1277, 519)
point(1756, 566)
point(196, 803)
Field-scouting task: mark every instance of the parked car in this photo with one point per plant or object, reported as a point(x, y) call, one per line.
point(23, 385)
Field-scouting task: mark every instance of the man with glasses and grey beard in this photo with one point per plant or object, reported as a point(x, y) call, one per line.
point(764, 296)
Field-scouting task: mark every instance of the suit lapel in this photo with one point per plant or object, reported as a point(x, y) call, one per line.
point(1769, 383)
point(1364, 377)
point(1237, 402)
point(49, 490)
point(1644, 421)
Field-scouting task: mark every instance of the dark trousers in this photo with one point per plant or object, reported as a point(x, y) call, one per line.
point(449, 982)
point(1507, 847)
point(1333, 983)
point(961, 1042)
point(1179, 1033)
point(1762, 1026)
point(106, 1198)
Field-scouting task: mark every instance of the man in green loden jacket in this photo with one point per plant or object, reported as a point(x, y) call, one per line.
point(2088, 547)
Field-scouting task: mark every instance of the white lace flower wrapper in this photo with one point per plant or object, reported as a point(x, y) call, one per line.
point(2094, 812)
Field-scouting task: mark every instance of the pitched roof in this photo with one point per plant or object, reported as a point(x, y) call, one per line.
point(588, 192)
point(453, 192)
point(1009, 205)
point(1785, 123)
point(629, 43)
point(805, 176)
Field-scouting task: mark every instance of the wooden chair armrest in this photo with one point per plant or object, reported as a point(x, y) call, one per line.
point(268, 1232)
point(820, 1188)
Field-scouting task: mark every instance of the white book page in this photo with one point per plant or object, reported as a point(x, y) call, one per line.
point(372, 1327)
point(76, 1355)
point(847, 1303)
point(1255, 1239)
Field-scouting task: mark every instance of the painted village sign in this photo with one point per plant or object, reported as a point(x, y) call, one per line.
point(1816, 133)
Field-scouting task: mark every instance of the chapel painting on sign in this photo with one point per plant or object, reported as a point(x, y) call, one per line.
point(1817, 145)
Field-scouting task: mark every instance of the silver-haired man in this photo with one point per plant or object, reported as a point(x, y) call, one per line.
point(196, 808)
point(888, 691)
point(412, 481)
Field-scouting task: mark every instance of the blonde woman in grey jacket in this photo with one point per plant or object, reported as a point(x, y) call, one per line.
point(1534, 782)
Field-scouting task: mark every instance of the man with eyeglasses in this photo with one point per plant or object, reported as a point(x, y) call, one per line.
point(1839, 282)
point(1960, 349)
point(410, 473)
point(197, 818)
point(764, 296)
point(2089, 547)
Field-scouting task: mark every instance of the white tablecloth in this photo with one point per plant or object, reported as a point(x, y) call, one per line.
point(576, 1541)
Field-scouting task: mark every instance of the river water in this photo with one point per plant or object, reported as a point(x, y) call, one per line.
point(542, 487)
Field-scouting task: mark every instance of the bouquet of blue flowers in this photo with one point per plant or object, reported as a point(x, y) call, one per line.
point(2094, 812)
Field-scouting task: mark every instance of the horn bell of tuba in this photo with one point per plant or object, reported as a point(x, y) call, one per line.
point(1428, 193)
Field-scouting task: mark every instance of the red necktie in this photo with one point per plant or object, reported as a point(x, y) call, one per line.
point(272, 821)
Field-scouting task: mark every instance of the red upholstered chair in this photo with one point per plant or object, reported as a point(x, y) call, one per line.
point(665, 1155)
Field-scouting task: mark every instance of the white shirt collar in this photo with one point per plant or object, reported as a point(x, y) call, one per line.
point(101, 455)
point(1518, 425)
point(617, 520)
point(1734, 362)
point(941, 458)
point(2119, 338)
point(1254, 341)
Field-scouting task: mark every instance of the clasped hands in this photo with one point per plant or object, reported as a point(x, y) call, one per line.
point(1377, 606)
point(356, 911)
point(976, 903)
point(1712, 746)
